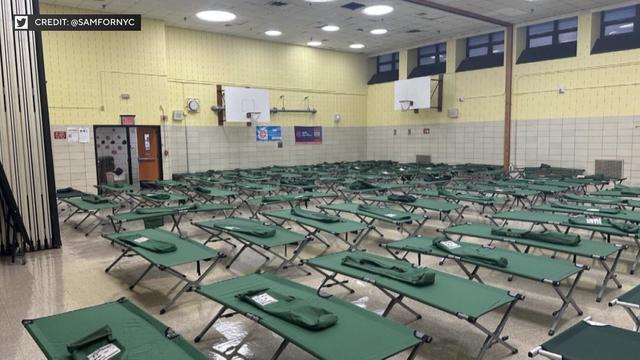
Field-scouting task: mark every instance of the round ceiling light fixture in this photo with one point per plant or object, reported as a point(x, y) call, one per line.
point(377, 10)
point(314, 43)
point(216, 16)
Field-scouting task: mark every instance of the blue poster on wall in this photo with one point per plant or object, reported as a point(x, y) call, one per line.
point(268, 133)
point(308, 134)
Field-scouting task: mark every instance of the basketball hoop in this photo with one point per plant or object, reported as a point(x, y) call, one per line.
point(405, 105)
point(253, 116)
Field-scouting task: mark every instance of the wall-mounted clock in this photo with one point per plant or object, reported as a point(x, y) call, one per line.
point(193, 105)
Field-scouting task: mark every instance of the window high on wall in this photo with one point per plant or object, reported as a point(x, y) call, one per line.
point(550, 40)
point(387, 66)
point(619, 30)
point(430, 60)
point(483, 51)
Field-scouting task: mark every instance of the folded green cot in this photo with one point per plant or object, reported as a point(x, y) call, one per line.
point(91, 209)
point(479, 202)
point(357, 334)
point(134, 333)
point(597, 250)
point(259, 237)
point(155, 246)
point(590, 340)
point(154, 217)
point(465, 299)
point(315, 223)
point(257, 205)
point(630, 302)
point(369, 214)
point(536, 268)
point(443, 208)
point(611, 213)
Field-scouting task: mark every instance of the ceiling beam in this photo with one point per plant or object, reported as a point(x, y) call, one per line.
point(460, 12)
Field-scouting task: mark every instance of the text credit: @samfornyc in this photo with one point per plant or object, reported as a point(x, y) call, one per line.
point(75, 22)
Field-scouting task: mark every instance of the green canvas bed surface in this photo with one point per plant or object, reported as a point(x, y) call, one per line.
point(388, 215)
point(443, 208)
point(186, 251)
point(67, 193)
point(117, 191)
point(594, 200)
point(92, 210)
point(536, 268)
point(597, 250)
point(338, 227)
point(279, 237)
point(618, 214)
point(141, 335)
point(462, 298)
point(589, 340)
point(483, 202)
point(358, 333)
point(210, 193)
point(630, 302)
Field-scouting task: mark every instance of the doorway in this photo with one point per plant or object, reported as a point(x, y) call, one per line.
point(127, 154)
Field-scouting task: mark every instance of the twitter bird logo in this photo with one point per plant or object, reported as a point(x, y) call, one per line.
point(21, 23)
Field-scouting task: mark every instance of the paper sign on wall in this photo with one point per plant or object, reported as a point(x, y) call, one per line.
point(268, 133)
point(83, 135)
point(72, 135)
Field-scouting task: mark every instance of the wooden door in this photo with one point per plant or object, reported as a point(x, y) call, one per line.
point(148, 153)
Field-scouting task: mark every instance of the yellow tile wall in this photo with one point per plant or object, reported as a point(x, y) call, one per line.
point(160, 67)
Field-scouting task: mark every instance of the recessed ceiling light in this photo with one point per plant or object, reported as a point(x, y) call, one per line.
point(273, 33)
point(216, 16)
point(379, 31)
point(377, 10)
point(314, 43)
point(357, 46)
point(331, 28)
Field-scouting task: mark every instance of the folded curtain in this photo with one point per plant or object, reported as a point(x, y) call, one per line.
point(393, 269)
point(94, 199)
point(98, 340)
point(246, 227)
point(471, 252)
point(312, 215)
point(296, 311)
point(544, 236)
point(384, 212)
point(143, 242)
point(402, 198)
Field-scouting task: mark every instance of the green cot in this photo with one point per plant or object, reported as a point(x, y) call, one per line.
point(358, 333)
point(91, 209)
point(443, 208)
point(465, 299)
point(186, 252)
point(630, 302)
point(596, 250)
point(536, 268)
point(140, 335)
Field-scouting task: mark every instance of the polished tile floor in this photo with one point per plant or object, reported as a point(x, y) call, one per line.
point(73, 277)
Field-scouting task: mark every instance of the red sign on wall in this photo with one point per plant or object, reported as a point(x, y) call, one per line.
point(127, 120)
point(59, 135)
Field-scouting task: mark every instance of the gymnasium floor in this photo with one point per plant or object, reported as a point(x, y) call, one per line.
point(74, 277)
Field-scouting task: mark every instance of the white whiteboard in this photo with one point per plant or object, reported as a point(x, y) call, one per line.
point(239, 101)
point(417, 90)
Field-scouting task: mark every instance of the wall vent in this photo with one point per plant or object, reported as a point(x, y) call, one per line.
point(423, 159)
point(611, 168)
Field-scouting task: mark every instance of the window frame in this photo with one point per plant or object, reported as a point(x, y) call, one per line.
point(440, 50)
point(395, 60)
point(555, 33)
point(635, 19)
point(490, 44)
